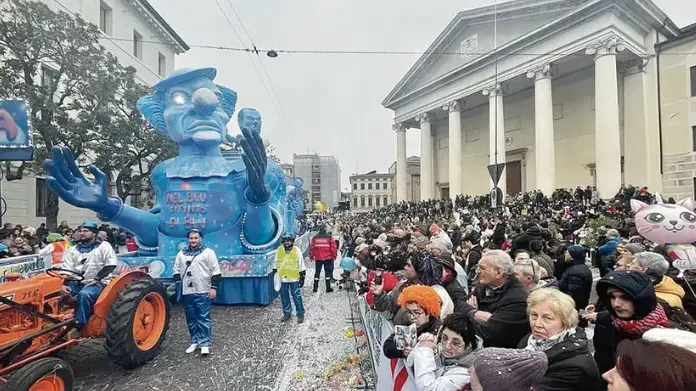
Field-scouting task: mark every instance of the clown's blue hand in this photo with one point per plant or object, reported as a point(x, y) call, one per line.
point(256, 162)
point(66, 179)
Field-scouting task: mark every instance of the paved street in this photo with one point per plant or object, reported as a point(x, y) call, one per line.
point(246, 356)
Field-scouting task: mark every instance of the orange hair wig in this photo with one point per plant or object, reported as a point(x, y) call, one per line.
point(426, 297)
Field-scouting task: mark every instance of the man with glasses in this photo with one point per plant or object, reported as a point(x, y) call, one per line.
point(95, 260)
point(197, 267)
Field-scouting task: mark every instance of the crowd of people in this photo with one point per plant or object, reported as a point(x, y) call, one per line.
point(502, 299)
point(16, 240)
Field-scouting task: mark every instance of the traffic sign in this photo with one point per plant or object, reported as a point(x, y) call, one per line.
point(496, 171)
point(496, 197)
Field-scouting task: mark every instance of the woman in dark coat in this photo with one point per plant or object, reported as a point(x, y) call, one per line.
point(576, 281)
point(553, 320)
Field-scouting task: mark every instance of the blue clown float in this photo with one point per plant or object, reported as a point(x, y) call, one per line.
point(238, 200)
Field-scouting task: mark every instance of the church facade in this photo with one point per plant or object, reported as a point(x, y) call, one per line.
point(570, 97)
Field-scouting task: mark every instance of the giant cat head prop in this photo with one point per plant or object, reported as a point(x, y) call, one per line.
point(666, 223)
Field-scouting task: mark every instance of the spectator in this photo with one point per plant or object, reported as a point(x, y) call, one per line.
point(498, 304)
point(554, 320)
point(422, 305)
point(655, 266)
point(442, 363)
point(606, 252)
point(577, 280)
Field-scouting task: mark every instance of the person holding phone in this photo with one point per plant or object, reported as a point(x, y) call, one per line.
point(198, 270)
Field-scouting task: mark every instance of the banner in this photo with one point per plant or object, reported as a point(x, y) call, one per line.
point(26, 265)
point(392, 374)
point(15, 131)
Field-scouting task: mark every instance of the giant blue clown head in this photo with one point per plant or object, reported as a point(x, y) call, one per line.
point(190, 108)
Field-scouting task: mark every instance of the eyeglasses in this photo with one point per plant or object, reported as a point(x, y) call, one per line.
point(455, 343)
point(414, 313)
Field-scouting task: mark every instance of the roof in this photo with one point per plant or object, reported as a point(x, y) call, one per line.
point(514, 9)
point(371, 175)
point(156, 17)
point(687, 33)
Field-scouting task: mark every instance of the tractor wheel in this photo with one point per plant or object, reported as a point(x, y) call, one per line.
point(44, 374)
point(137, 323)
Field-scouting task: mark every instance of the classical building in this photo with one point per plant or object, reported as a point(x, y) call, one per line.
point(321, 176)
point(677, 87)
point(370, 191)
point(569, 98)
point(412, 180)
point(125, 25)
point(288, 169)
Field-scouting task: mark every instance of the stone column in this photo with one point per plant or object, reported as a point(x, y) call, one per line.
point(607, 136)
point(544, 148)
point(401, 165)
point(455, 148)
point(426, 161)
point(496, 131)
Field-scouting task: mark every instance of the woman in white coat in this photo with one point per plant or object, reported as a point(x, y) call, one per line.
point(442, 363)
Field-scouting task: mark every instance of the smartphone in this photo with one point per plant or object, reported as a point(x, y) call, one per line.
point(378, 277)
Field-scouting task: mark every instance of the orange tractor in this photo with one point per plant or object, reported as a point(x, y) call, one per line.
point(36, 322)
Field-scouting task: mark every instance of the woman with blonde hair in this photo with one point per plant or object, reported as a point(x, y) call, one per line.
point(554, 320)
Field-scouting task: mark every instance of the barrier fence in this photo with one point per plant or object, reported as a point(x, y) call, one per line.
point(392, 375)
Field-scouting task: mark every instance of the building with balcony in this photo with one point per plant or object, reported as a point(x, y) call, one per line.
point(138, 36)
point(370, 191)
point(288, 169)
point(412, 180)
point(567, 93)
point(321, 176)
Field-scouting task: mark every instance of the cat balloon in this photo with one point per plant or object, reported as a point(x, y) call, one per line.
point(671, 225)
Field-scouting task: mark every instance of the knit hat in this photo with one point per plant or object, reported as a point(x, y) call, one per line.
point(426, 297)
point(634, 248)
point(682, 338)
point(53, 237)
point(509, 369)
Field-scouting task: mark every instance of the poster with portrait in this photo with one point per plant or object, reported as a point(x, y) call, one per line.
point(15, 131)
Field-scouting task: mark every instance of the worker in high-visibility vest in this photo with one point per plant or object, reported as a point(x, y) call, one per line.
point(290, 266)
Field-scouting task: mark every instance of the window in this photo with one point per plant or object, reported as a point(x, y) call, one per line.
point(48, 77)
point(105, 18)
point(369, 201)
point(41, 197)
point(377, 201)
point(355, 202)
point(162, 65)
point(369, 186)
point(137, 45)
point(362, 201)
point(443, 143)
point(693, 80)
point(384, 199)
point(362, 186)
point(355, 186)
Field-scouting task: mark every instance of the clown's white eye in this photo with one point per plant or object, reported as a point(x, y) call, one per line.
point(687, 216)
point(179, 98)
point(655, 217)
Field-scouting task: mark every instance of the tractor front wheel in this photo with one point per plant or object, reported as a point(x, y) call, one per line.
point(137, 323)
point(44, 374)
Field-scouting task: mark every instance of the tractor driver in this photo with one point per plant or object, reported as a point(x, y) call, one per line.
point(94, 260)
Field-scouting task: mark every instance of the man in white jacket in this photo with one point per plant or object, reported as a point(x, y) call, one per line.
point(444, 365)
point(197, 267)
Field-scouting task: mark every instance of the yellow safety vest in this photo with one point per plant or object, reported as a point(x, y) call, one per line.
point(288, 263)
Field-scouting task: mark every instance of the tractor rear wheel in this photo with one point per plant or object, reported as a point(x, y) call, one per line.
point(44, 374)
point(137, 323)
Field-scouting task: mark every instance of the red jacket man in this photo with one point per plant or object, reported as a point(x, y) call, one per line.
point(322, 250)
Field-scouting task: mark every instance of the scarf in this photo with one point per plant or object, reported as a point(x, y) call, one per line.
point(542, 345)
point(87, 248)
point(466, 360)
point(635, 328)
point(193, 251)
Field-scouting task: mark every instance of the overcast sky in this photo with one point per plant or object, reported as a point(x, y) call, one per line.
point(328, 103)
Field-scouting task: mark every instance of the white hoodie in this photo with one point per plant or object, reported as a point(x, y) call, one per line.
point(430, 375)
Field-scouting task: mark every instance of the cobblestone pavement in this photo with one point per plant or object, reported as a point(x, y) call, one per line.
point(245, 356)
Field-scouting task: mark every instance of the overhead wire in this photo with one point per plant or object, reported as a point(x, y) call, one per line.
point(251, 58)
point(263, 67)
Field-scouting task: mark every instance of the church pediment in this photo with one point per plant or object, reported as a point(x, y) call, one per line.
point(471, 35)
